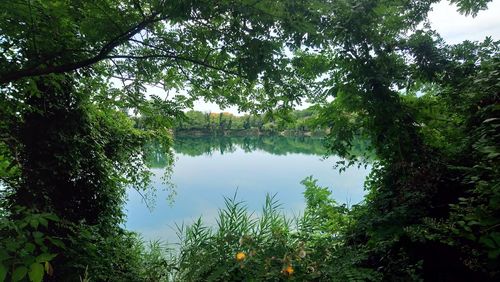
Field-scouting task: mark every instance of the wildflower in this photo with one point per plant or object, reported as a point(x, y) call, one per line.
point(288, 270)
point(240, 256)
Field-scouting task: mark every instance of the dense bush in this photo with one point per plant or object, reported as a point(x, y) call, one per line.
point(26, 251)
point(29, 253)
point(270, 246)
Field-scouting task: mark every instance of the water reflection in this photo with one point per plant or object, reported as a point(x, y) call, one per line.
point(208, 168)
point(207, 145)
point(276, 145)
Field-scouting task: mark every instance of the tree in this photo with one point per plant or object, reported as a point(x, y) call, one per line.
point(198, 45)
point(381, 55)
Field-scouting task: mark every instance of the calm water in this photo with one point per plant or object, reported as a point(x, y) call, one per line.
point(207, 169)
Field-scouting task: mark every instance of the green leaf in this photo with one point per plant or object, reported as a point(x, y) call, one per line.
point(44, 222)
point(36, 272)
point(496, 237)
point(29, 247)
point(37, 234)
point(494, 254)
point(3, 255)
point(52, 217)
point(45, 257)
point(19, 273)
point(3, 272)
point(39, 241)
point(34, 223)
point(487, 242)
point(12, 245)
point(56, 242)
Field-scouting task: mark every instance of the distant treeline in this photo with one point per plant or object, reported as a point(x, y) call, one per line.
point(296, 122)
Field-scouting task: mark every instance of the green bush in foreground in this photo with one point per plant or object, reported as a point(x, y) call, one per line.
point(242, 247)
point(26, 251)
point(270, 246)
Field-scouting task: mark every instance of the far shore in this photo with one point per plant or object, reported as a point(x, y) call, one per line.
point(245, 132)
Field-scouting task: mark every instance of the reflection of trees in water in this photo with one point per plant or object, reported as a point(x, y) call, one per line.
point(276, 145)
point(157, 155)
point(207, 145)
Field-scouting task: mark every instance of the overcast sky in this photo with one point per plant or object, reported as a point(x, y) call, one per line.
point(445, 19)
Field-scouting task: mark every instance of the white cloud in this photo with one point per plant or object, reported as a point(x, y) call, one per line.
point(203, 106)
point(455, 28)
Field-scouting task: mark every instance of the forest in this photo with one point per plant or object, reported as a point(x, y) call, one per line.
point(297, 122)
point(86, 88)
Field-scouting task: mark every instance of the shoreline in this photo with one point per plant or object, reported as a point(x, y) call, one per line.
point(245, 132)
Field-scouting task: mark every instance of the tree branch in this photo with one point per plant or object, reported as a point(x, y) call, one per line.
point(174, 57)
point(101, 55)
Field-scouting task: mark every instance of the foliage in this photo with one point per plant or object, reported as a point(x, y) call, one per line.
point(418, 102)
point(216, 50)
point(322, 212)
point(435, 212)
point(26, 248)
point(76, 116)
point(269, 246)
point(473, 222)
point(74, 158)
point(123, 257)
point(288, 123)
point(471, 7)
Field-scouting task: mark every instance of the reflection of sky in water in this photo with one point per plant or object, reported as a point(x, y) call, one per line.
point(202, 182)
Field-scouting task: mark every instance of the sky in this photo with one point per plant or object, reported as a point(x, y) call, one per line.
point(444, 18)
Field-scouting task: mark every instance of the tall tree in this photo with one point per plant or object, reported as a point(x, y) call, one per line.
point(381, 52)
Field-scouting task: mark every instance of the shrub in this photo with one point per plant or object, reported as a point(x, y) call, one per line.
point(26, 251)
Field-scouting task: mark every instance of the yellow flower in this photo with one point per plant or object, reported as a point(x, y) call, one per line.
point(288, 270)
point(240, 256)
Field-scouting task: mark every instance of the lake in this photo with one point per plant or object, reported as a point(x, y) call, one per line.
point(207, 169)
